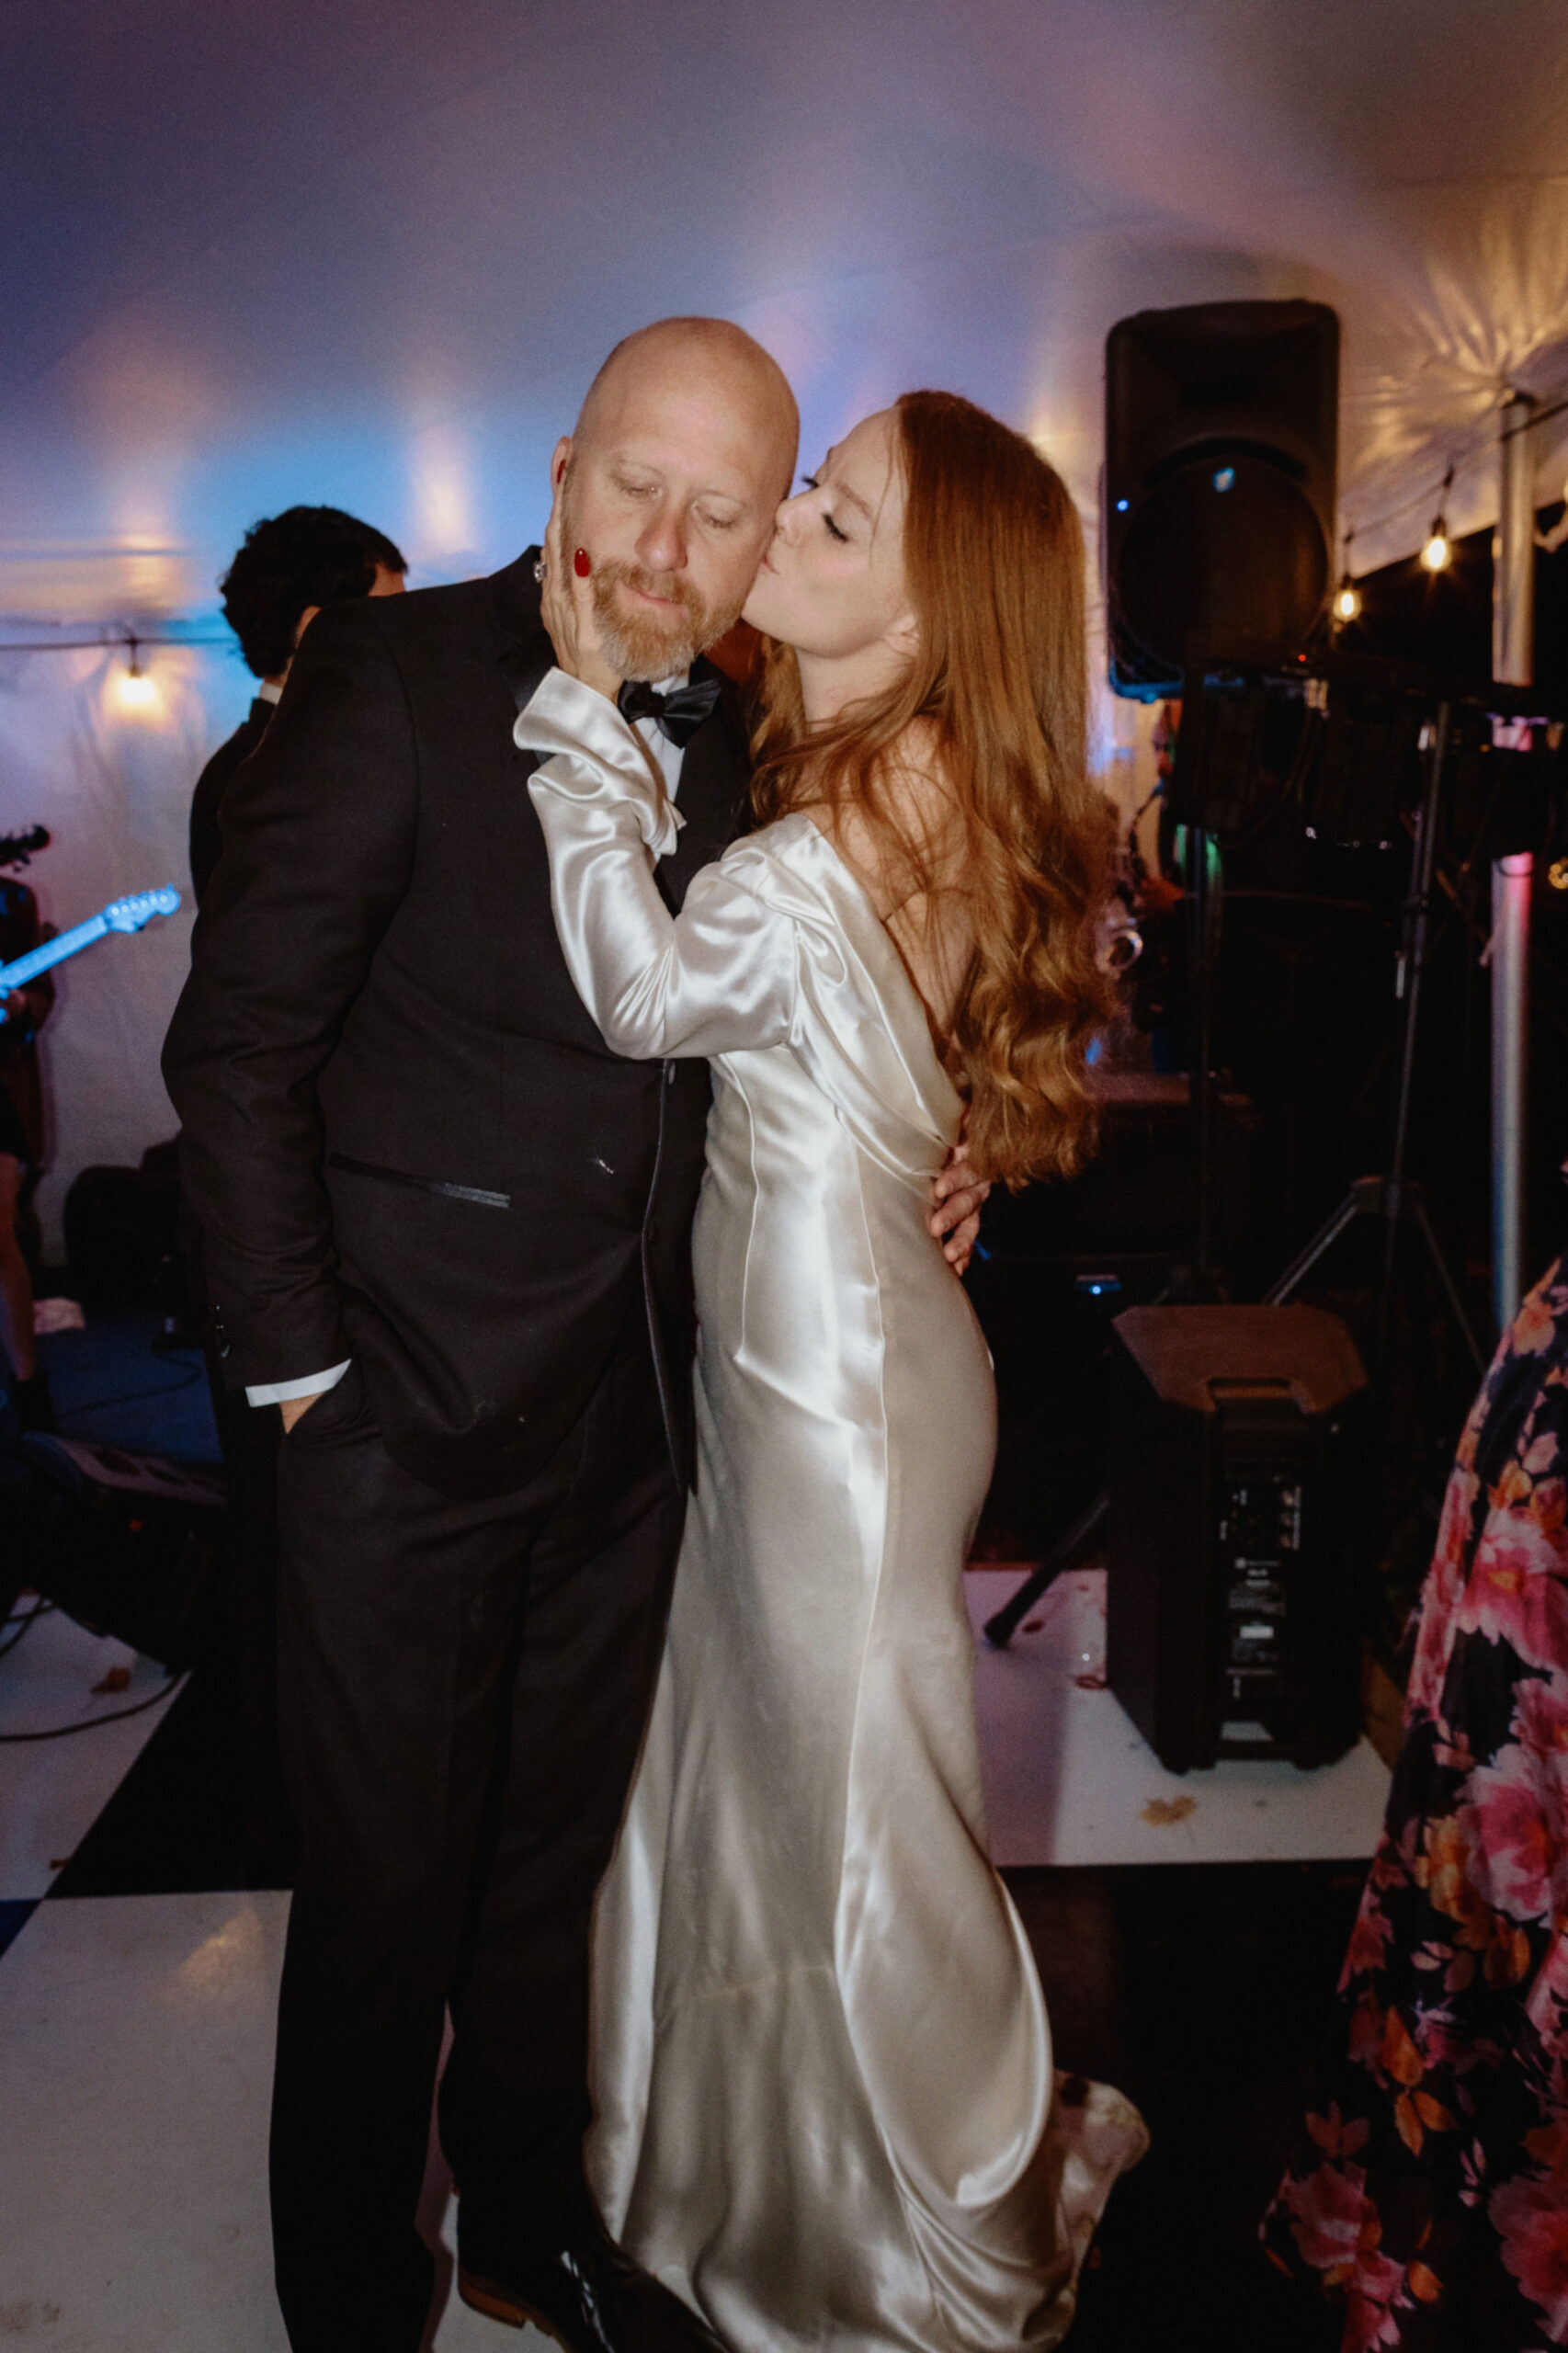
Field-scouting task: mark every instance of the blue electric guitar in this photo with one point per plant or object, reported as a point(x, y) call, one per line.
point(120, 915)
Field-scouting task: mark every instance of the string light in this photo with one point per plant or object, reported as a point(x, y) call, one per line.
point(133, 687)
point(1437, 554)
point(1556, 406)
point(1347, 596)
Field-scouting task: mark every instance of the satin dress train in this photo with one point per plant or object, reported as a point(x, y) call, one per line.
point(826, 2107)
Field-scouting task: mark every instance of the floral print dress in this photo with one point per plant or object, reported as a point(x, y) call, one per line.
point(1432, 2190)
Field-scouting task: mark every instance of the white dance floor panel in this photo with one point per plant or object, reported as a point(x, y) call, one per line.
point(136, 2051)
point(1070, 1779)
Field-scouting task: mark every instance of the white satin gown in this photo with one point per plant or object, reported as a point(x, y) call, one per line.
point(826, 2113)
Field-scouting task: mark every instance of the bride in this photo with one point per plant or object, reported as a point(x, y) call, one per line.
point(826, 2113)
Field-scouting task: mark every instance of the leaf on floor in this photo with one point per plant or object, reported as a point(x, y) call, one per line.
point(1162, 1809)
point(117, 1679)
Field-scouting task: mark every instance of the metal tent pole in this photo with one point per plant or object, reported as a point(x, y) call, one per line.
point(1513, 627)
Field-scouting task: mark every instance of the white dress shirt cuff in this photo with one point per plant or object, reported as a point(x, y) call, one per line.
point(283, 1392)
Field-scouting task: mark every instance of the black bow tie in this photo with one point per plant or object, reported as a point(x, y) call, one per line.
point(679, 713)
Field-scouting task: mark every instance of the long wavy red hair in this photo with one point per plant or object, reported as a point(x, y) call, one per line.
point(999, 690)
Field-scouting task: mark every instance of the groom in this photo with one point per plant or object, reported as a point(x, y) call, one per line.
point(447, 1236)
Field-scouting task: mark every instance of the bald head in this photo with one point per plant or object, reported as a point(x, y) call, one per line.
point(708, 360)
point(670, 483)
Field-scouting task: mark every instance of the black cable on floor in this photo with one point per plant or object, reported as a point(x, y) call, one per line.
point(23, 1621)
point(91, 1724)
point(41, 1605)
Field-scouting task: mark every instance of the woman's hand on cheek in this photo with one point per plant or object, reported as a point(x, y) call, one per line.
point(566, 607)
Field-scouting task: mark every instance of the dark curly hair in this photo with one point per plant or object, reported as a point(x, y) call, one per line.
point(307, 556)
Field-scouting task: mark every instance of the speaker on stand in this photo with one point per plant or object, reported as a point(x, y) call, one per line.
point(1220, 482)
point(1219, 519)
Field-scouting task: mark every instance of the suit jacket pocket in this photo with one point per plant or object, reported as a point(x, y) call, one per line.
point(336, 1410)
point(477, 1194)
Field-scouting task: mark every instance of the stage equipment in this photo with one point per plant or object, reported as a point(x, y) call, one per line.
point(1237, 1480)
point(1221, 432)
point(1365, 771)
point(120, 915)
point(1384, 744)
point(1383, 747)
point(1496, 802)
point(16, 849)
point(1130, 1212)
point(1391, 1196)
point(122, 1235)
point(125, 1544)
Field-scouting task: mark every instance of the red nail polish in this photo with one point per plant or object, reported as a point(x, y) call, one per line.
point(580, 563)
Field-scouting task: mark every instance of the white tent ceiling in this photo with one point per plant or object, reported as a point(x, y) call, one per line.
point(369, 250)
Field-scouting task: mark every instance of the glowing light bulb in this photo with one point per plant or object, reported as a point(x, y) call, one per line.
point(134, 688)
point(1346, 600)
point(1437, 554)
point(1557, 874)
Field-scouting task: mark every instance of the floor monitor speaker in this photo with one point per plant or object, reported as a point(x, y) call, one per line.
point(127, 1544)
point(1237, 1454)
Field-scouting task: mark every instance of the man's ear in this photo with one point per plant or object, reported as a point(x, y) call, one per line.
point(561, 460)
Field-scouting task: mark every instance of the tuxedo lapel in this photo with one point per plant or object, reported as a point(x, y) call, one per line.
point(524, 651)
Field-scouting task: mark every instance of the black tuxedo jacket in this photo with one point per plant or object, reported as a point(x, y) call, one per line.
point(211, 786)
point(404, 1138)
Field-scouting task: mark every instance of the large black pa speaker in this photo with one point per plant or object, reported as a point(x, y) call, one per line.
point(1237, 1461)
point(1221, 435)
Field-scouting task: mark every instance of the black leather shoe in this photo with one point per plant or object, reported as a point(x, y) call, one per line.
point(589, 2297)
point(575, 2301)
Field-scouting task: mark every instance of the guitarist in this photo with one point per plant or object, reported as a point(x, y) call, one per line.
point(287, 568)
point(22, 1014)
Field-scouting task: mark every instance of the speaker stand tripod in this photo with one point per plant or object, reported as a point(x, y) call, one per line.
point(1391, 1197)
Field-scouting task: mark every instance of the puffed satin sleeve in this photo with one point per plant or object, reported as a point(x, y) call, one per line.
point(717, 979)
